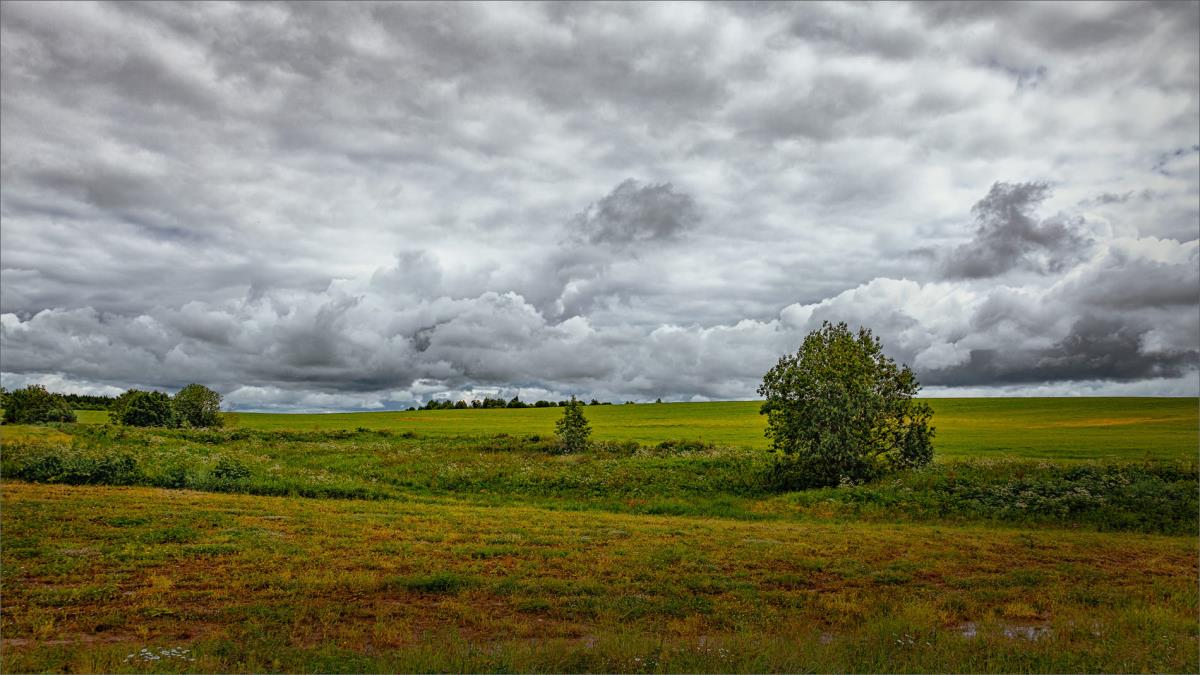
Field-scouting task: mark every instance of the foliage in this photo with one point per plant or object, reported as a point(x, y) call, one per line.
point(572, 428)
point(197, 406)
point(35, 405)
point(147, 409)
point(839, 410)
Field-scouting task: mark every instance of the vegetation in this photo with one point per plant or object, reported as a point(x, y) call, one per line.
point(102, 579)
point(148, 409)
point(1059, 536)
point(197, 406)
point(839, 410)
point(671, 477)
point(35, 405)
point(1051, 429)
point(572, 428)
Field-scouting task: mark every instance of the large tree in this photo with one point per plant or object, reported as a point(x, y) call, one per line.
point(839, 410)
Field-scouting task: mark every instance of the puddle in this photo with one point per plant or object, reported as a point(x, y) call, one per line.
point(970, 630)
point(1031, 633)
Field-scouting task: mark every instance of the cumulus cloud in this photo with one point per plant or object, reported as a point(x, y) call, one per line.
point(323, 206)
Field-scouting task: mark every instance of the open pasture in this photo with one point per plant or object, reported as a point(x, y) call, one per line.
point(1028, 428)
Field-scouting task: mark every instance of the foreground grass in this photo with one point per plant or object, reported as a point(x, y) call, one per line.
point(1057, 429)
point(139, 579)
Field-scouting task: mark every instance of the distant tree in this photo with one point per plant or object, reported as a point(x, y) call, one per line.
point(594, 402)
point(197, 406)
point(148, 409)
point(542, 404)
point(572, 428)
point(516, 403)
point(839, 410)
point(658, 400)
point(35, 405)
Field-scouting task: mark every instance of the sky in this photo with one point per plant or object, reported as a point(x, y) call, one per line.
point(333, 206)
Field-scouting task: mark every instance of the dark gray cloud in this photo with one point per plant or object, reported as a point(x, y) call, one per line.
point(635, 214)
point(1009, 235)
point(320, 205)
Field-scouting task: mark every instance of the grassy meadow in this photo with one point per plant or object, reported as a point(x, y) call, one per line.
point(1050, 535)
point(1057, 429)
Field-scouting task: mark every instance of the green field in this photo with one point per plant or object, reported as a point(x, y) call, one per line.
point(1029, 428)
point(1061, 537)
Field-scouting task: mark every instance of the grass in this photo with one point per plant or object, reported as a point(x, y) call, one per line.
point(140, 579)
point(1050, 535)
point(1056, 429)
point(678, 478)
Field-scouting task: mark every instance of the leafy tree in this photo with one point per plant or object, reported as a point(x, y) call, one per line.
point(198, 406)
point(839, 410)
point(35, 405)
point(148, 409)
point(460, 405)
point(572, 428)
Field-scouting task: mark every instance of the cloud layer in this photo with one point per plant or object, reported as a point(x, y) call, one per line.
point(329, 206)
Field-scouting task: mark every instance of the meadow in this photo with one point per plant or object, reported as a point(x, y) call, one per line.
point(1058, 429)
point(1050, 535)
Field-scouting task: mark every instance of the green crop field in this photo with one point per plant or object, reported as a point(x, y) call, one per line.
point(1051, 535)
point(1029, 428)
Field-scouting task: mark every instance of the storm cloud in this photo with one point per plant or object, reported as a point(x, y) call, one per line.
point(326, 206)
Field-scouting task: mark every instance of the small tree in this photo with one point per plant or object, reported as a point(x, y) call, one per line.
point(840, 410)
point(148, 409)
point(35, 405)
point(198, 406)
point(572, 428)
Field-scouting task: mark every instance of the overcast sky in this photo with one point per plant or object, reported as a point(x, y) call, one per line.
point(317, 207)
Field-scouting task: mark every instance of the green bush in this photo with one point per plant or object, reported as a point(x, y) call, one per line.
point(148, 409)
point(230, 469)
point(197, 406)
point(35, 405)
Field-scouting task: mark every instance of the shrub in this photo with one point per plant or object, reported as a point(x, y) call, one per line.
point(230, 469)
point(572, 428)
point(147, 409)
point(197, 406)
point(35, 405)
point(839, 411)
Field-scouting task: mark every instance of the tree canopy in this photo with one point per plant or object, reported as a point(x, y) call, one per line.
point(839, 410)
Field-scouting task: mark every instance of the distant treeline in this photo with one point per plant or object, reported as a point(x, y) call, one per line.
point(514, 402)
point(75, 401)
point(89, 402)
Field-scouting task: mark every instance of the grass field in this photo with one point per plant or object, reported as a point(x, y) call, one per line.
point(1028, 428)
point(252, 584)
point(1061, 537)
